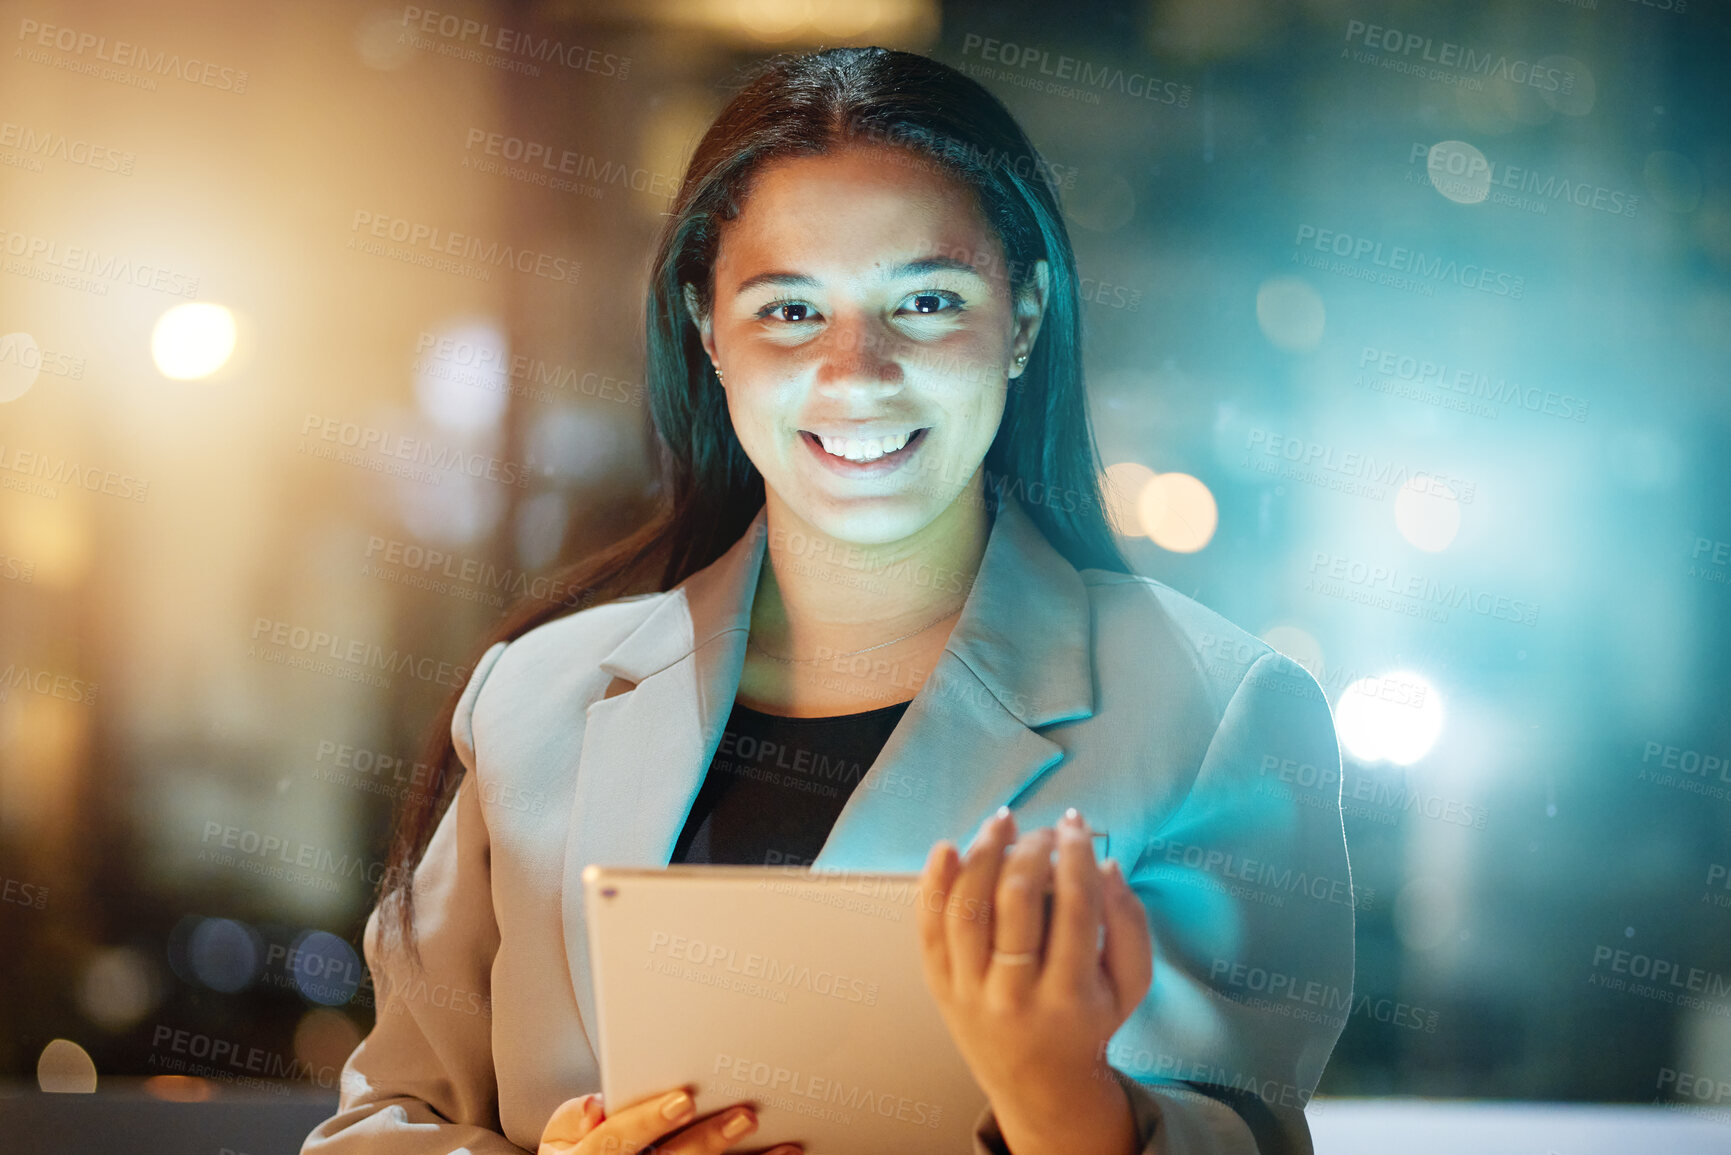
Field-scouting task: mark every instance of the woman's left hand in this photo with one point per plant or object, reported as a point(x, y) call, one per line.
point(1033, 1019)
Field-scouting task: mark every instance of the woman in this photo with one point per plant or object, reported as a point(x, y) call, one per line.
point(883, 532)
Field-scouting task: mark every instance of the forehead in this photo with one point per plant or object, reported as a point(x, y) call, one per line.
point(841, 214)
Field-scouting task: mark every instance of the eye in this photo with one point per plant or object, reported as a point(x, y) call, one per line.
point(780, 310)
point(930, 301)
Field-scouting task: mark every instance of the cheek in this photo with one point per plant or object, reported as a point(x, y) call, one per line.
point(756, 414)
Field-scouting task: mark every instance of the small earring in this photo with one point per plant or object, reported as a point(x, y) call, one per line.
point(1021, 357)
point(718, 372)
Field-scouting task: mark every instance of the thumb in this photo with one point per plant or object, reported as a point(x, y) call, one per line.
point(573, 1119)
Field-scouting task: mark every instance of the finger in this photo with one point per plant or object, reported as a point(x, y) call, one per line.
point(942, 866)
point(642, 1123)
point(1018, 912)
point(1129, 952)
point(712, 1135)
point(573, 1119)
point(968, 914)
point(1078, 902)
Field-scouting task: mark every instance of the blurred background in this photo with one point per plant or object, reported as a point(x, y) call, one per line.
point(1407, 333)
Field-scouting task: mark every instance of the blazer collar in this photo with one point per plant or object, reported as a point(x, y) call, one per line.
point(1023, 630)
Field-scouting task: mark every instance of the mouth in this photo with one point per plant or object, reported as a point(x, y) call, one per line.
point(865, 456)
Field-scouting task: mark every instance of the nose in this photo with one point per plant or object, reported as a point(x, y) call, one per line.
point(859, 360)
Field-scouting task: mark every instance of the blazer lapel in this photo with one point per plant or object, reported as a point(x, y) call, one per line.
point(646, 751)
point(1019, 657)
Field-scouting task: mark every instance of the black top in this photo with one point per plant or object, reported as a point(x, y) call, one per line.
point(777, 785)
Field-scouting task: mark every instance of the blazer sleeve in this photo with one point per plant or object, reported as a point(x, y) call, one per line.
point(422, 1081)
point(1250, 909)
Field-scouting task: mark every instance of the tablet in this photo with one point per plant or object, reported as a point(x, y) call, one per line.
point(799, 993)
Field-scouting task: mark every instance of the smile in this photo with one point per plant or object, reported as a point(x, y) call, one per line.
point(859, 456)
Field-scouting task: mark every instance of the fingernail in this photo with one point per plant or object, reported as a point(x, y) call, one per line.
point(737, 1126)
point(1073, 816)
point(1003, 812)
point(678, 1105)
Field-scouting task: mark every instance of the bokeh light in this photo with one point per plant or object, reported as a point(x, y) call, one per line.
point(193, 340)
point(1395, 717)
point(326, 969)
point(1427, 513)
point(118, 988)
point(1178, 512)
point(1121, 488)
point(65, 1068)
point(20, 363)
point(224, 954)
point(1291, 314)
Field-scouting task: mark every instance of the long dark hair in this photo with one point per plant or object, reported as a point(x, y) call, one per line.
point(801, 106)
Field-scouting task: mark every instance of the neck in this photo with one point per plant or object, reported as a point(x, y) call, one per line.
point(816, 593)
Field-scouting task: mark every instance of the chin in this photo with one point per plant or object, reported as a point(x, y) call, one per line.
point(869, 521)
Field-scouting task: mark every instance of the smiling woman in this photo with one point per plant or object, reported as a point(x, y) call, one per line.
point(863, 343)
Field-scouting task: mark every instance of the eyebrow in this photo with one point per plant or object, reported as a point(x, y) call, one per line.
point(906, 269)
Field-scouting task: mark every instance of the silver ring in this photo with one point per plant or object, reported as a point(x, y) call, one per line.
point(1030, 957)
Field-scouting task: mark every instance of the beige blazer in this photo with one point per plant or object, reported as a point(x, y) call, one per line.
point(1189, 741)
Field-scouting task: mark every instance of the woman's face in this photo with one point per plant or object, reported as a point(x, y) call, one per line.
point(863, 324)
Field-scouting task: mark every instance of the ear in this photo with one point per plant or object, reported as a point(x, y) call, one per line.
point(1030, 311)
point(705, 324)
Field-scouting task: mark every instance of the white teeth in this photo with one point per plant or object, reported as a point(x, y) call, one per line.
point(870, 449)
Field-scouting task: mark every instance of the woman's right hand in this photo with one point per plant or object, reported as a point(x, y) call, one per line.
point(581, 1127)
